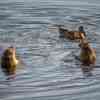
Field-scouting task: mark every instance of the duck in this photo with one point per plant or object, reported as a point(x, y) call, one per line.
point(72, 35)
point(9, 61)
point(87, 53)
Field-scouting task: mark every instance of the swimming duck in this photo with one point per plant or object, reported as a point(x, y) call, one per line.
point(72, 35)
point(87, 54)
point(9, 61)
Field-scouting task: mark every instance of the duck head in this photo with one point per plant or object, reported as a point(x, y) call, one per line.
point(84, 44)
point(10, 51)
point(81, 29)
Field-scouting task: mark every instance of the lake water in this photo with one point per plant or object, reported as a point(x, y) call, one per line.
point(50, 71)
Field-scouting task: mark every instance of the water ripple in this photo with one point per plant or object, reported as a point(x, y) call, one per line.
point(50, 71)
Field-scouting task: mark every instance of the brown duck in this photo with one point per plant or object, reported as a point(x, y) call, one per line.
point(87, 54)
point(9, 61)
point(72, 35)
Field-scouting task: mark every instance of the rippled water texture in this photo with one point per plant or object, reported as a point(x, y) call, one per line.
point(51, 71)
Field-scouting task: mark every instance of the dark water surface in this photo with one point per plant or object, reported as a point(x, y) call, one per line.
point(51, 71)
